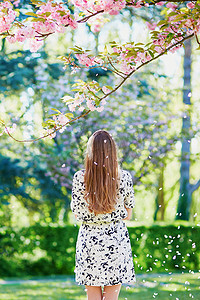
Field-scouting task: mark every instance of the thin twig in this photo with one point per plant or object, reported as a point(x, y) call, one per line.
point(44, 136)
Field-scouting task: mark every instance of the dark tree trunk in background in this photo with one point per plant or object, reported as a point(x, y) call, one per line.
point(160, 199)
point(186, 189)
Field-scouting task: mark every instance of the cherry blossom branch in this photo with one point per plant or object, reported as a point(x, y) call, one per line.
point(49, 134)
point(116, 71)
point(83, 20)
point(105, 96)
point(145, 63)
point(197, 39)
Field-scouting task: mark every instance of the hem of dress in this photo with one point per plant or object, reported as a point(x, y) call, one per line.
point(108, 284)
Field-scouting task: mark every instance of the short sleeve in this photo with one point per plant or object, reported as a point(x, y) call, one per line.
point(129, 200)
point(77, 203)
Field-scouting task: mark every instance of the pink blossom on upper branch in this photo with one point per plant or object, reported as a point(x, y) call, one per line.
point(110, 6)
point(7, 16)
point(54, 17)
point(97, 22)
point(34, 45)
point(190, 5)
point(15, 2)
point(56, 13)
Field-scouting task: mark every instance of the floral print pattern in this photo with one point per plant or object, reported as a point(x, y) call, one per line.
point(103, 249)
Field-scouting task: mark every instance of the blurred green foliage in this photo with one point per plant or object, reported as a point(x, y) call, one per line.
point(44, 250)
point(20, 178)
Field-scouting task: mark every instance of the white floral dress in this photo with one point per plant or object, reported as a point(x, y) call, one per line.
point(103, 249)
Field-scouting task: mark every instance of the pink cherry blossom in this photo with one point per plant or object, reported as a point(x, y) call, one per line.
point(190, 5)
point(171, 5)
point(126, 68)
point(45, 27)
point(72, 107)
point(110, 6)
point(85, 60)
point(34, 45)
point(81, 108)
point(90, 105)
point(100, 108)
point(51, 133)
point(151, 26)
point(10, 130)
point(160, 3)
point(7, 16)
point(96, 23)
point(105, 90)
point(103, 102)
point(16, 2)
point(62, 119)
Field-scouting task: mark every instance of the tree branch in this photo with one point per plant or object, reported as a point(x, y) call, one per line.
point(145, 63)
point(44, 136)
point(194, 187)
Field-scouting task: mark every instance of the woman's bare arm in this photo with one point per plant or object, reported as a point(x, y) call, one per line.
point(129, 211)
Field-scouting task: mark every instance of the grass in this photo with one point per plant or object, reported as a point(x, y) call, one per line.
point(148, 286)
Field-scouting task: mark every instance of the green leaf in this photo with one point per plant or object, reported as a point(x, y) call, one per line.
point(69, 115)
point(109, 87)
point(47, 14)
point(54, 109)
point(31, 14)
point(184, 9)
point(97, 102)
point(67, 99)
point(38, 20)
point(162, 22)
point(37, 3)
point(138, 44)
point(151, 53)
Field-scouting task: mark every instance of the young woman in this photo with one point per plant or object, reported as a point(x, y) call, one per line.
point(102, 197)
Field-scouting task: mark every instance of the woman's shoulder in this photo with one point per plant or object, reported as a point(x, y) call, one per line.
point(125, 174)
point(79, 174)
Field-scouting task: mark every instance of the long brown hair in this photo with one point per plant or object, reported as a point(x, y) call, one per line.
point(101, 173)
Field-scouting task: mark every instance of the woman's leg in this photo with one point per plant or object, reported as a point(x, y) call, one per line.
point(111, 292)
point(93, 292)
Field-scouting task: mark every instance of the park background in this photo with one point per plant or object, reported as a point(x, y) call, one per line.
point(146, 116)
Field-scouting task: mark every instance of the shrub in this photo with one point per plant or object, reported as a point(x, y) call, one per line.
point(45, 250)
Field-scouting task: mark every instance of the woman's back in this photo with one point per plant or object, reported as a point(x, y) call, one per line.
point(125, 198)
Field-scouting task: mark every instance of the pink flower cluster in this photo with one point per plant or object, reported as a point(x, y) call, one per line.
point(90, 102)
point(15, 2)
point(190, 5)
point(129, 63)
point(85, 60)
point(51, 133)
point(88, 61)
point(9, 130)
point(110, 6)
point(56, 18)
point(96, 23)
point(7, 16)
point(22, 34)
point(61, 120)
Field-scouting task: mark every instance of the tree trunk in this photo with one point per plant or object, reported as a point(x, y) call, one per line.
point(160, 200)
point(185, 196)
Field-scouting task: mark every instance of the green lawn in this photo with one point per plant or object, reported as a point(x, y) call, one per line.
point(165, 287)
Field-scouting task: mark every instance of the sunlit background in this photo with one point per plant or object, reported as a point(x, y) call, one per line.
point(145, 118)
